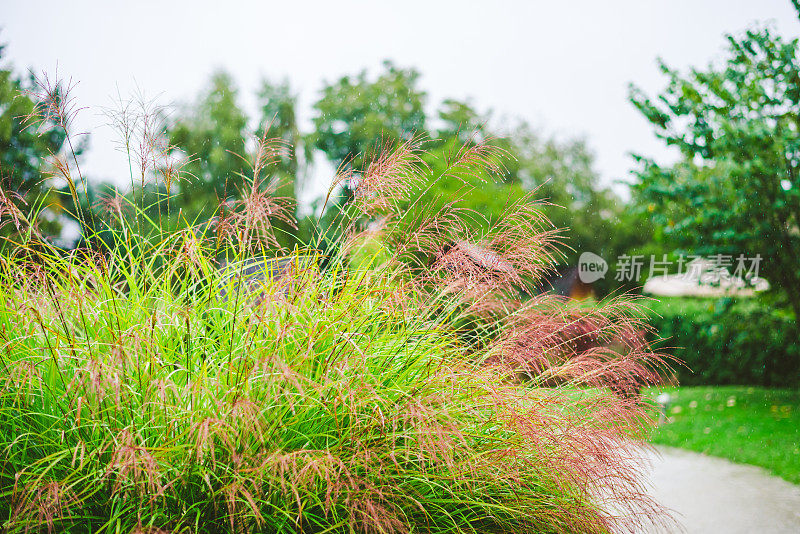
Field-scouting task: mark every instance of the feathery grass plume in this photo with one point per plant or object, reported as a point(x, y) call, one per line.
point(114, 204)
point(56, 107)
point(390, 176)
point(248, 222)
point(141, 126)
point(338, 396)
point(9, 212)
point(54, 103)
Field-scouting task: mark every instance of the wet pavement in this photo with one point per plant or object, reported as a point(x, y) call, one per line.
point(712, 495)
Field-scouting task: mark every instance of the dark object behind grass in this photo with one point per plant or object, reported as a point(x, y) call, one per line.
point(725, 342)
point(744, 424)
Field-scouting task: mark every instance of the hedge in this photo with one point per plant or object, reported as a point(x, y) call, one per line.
point(725, 342)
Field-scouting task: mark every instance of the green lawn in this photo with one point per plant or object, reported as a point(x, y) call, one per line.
point(744, 424)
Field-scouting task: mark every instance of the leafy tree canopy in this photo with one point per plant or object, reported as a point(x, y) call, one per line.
point(356, 112)
point(735, 188)
point(460, 120)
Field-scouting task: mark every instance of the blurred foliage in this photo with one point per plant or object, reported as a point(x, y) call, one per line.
point(459, 120)
point(278, 120)
point(356, 116)
point(723, 341)
point(212, 136)
point(735, 187)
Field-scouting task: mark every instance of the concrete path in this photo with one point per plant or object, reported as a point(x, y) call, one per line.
point(710, 495)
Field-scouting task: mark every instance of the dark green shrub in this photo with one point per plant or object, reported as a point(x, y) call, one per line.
point(728, 342)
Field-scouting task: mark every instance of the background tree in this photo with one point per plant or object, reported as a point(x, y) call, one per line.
point(735, 188)
point(212, 134)
point(355, 113)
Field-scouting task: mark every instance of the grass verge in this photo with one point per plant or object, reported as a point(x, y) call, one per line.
point(744, 424)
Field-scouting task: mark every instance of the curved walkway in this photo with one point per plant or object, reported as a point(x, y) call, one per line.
point(711, 495)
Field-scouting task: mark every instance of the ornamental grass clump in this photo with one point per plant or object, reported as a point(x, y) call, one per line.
point(379, 379)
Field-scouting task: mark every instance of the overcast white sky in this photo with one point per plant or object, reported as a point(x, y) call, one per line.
point(564, 66)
